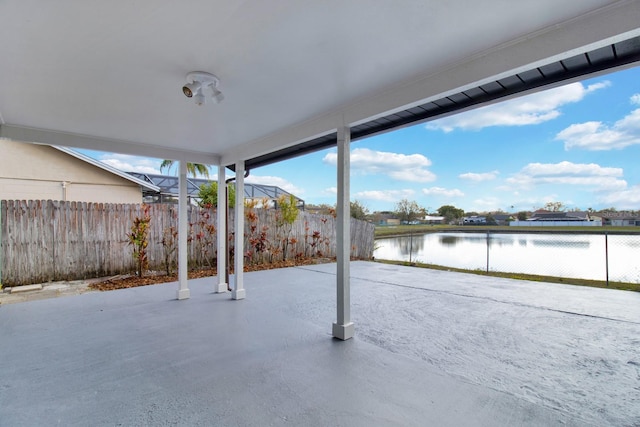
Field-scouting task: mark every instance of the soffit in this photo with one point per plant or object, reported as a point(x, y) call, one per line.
point(107, 75)
point(605, 59)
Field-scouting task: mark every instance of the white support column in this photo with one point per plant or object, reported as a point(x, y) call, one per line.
point(221, 235)
point(343, 329)
point(238, 267)
point(183, 268)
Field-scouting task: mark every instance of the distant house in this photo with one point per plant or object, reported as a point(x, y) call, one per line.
point(544, 215)
point(46, 172)
point(502, 219)
point(431, 219)
point(167, 189)
point(474, 220)
point(620, 219)
point(546, 218)
point(386, 218)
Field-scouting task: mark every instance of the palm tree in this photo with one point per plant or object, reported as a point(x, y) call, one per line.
point(192, 168)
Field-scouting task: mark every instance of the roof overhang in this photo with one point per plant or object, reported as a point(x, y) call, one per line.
point(107, 168)
point(108, 76)
point(605, 59)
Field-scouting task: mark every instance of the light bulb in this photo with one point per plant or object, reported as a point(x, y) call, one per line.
point(199, 98)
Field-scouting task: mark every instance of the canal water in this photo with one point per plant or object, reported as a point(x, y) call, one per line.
point(584, 256)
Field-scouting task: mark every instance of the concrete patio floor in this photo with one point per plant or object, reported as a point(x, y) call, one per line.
point(431, 348)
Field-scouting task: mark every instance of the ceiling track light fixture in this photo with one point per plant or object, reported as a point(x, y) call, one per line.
point(200, 85)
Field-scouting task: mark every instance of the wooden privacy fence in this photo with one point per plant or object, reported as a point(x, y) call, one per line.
point(48, 240)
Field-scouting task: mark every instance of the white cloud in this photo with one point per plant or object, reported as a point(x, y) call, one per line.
point(478, 177)
point(528, 110)
point(439, 191)
point(128, 163)
point(413, 175)
point(635, 98)
point(487, 204)
point(330, 190)
point(401, 167)
point(384, 195)
point(274, 180)
point(596, 136)
point(623, 199)
point(592, 175)
point(564, 168)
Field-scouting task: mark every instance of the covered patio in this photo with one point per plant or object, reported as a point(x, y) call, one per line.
point(288, 78)
point(242, 85)
point(433, 348)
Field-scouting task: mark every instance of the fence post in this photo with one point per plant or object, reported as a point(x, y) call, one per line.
point(606, 255)
point(2, 247)
point(488, 251)
point(410, 244)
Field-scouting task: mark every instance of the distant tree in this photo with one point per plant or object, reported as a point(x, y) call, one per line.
point(522, 216)
point(450, 213)
point(358, 210)
point(193, 169)
point(555, 206)
point(408, 211)
point(208, 194)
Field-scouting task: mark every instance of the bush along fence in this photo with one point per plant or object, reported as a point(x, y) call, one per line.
point(44, 241)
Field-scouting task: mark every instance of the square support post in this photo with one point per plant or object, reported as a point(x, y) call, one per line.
point(238, 267)
point(343, 329)
point(221, 235)
point(183, 267)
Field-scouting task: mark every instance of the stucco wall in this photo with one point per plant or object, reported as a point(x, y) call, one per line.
point(37, 172)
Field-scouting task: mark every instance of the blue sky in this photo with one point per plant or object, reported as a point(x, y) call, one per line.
point(578, 144)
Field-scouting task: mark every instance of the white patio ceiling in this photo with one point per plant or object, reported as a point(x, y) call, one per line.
point(108, 75)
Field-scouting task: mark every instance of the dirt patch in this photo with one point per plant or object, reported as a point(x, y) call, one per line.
point(130, 281)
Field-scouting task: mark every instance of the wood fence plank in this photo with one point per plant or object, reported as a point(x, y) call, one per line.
point(54, 240)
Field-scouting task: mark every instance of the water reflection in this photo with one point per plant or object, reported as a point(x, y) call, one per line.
point(501, 240)
point(411, 245)
point(561, 255)
point(564, 243)
point(449, 240)
point(476, 238)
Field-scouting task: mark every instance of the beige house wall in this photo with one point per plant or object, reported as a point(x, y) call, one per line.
point(41, 172)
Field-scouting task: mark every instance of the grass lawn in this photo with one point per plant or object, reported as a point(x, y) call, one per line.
point(531, 277)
